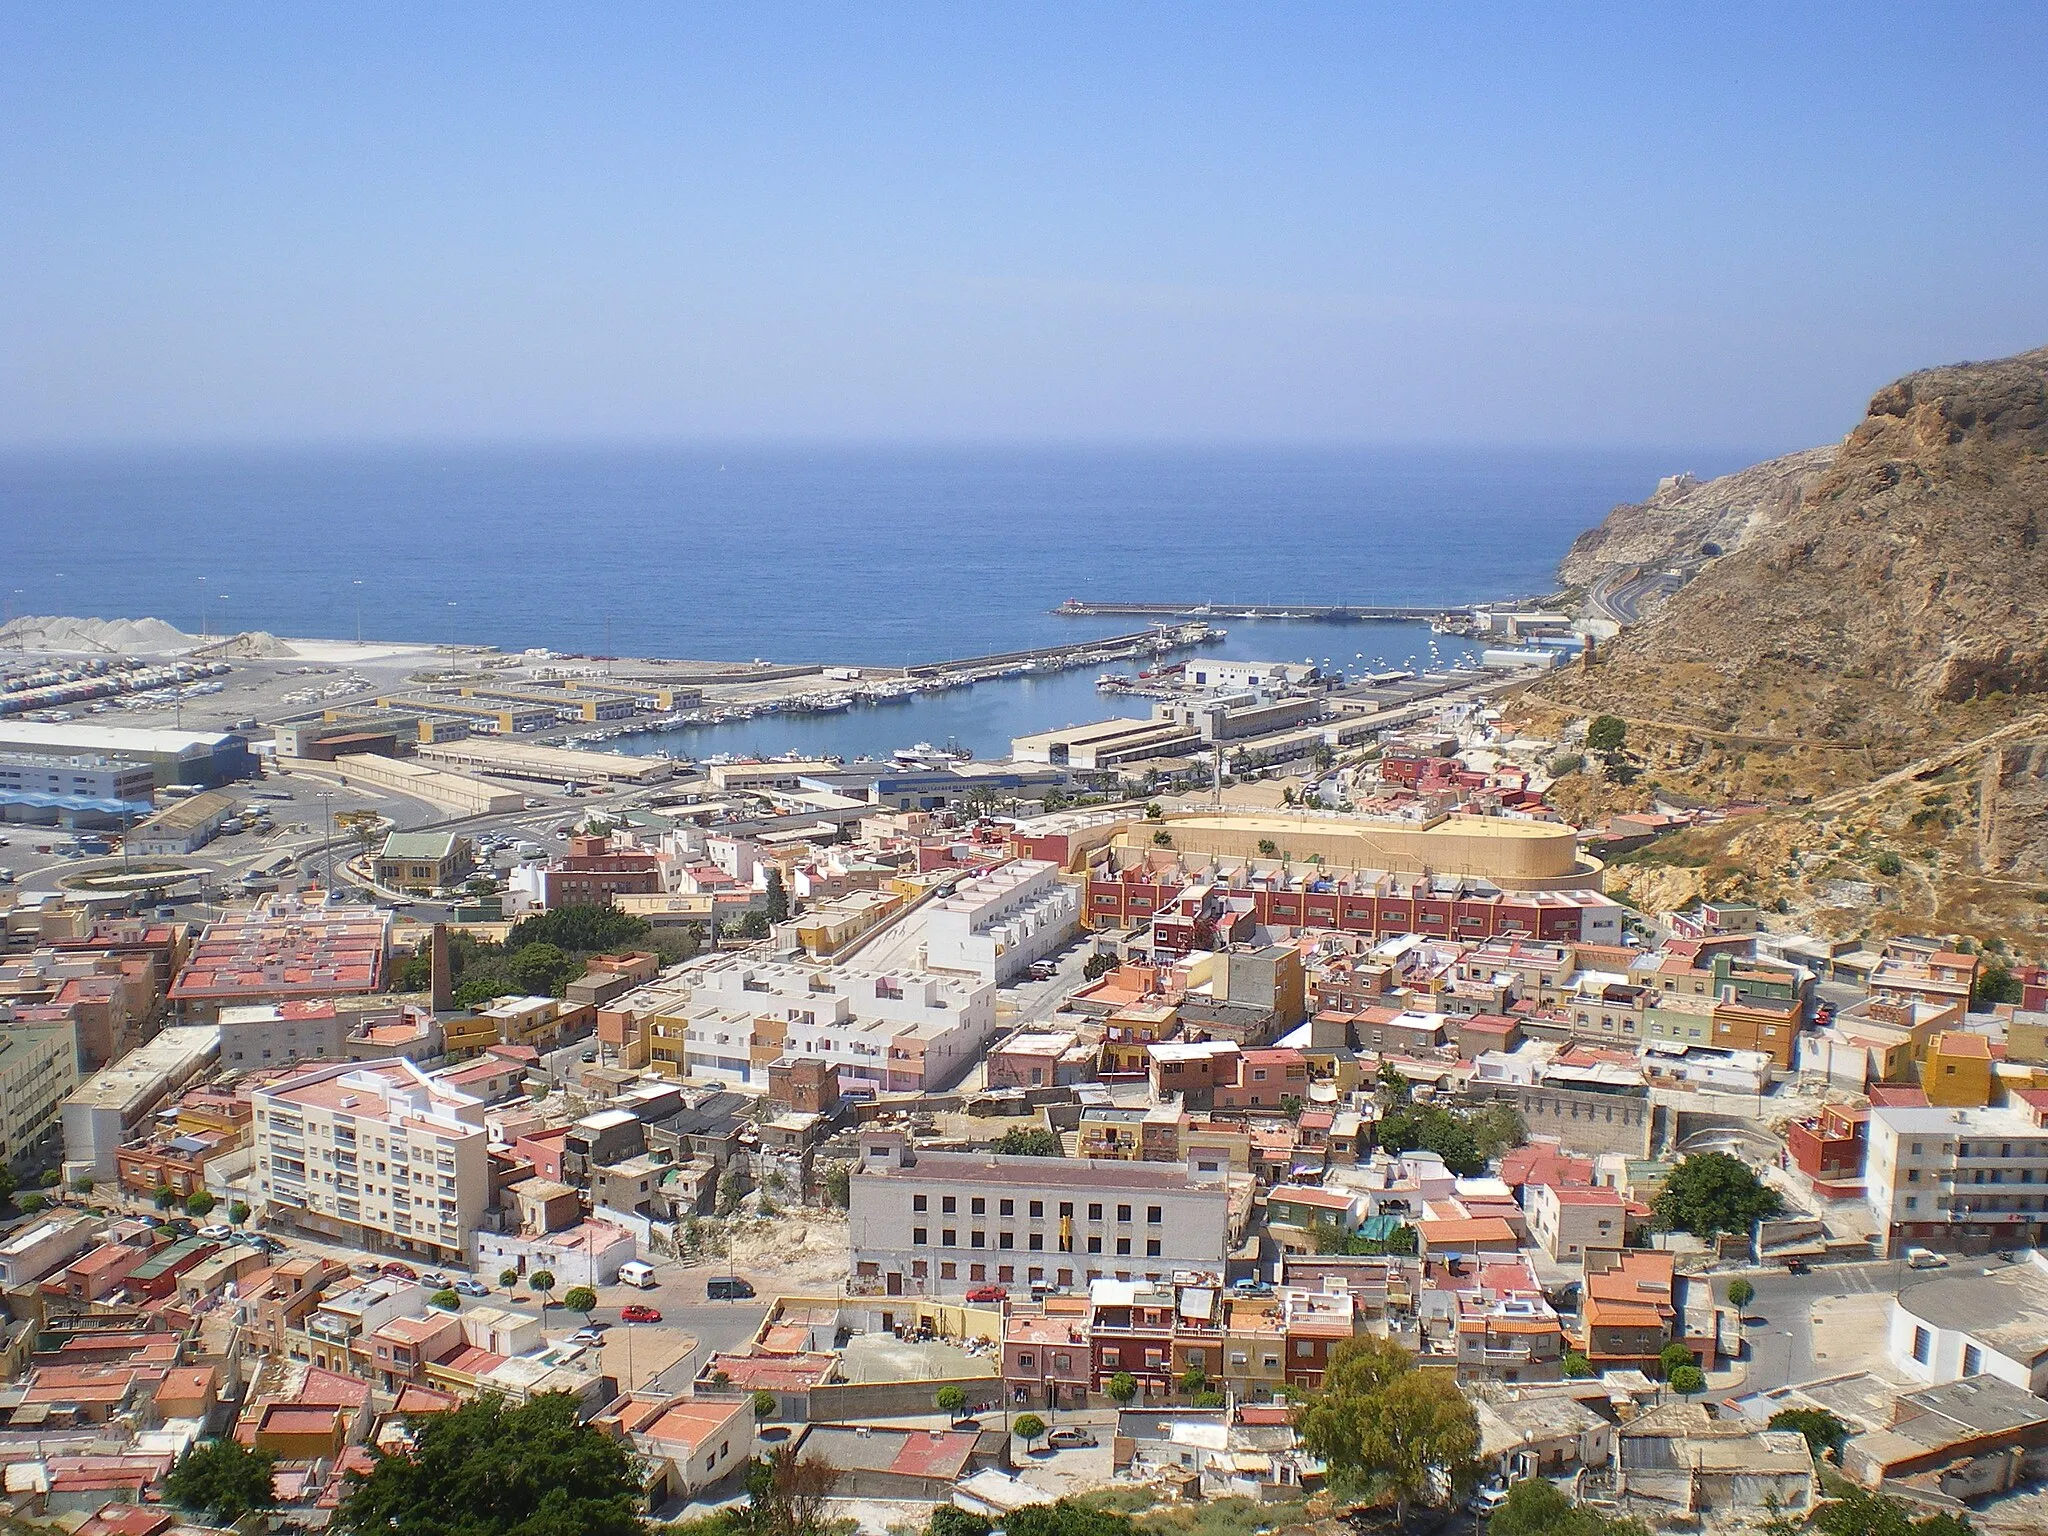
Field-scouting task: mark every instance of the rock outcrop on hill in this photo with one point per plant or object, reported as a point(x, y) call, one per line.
point(1901, 599)
point(1690, 521)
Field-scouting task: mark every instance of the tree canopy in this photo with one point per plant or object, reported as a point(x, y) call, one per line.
point(589, 929)
point(1859, 1512)
point(489, 1470)
point(1068, 1518)
point(221, 1479)
point(1536, 1508)
point(1823, 1431)
point(1712, 1192)
point(1027, 1141)
point(1434, 1129)
point(1386, 1429)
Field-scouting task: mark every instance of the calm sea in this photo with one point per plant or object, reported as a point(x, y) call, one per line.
point(862, 556)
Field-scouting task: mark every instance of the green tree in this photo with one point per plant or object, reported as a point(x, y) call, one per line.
point(1859, 1512)
point(1194, 1381)
point(1162, 838)
point(580, 1298)
point(1567, 763)
point(222, 1480)
point(31, 1203)
point(580, 930)
point(1996, 984)
point(1028, 1142)
point(1887, 863)
point(1712, 1192)
point(51, 1178)
point(1497, 1128)
point(1434, 1129)
point(1824, 1432)
point(778, 896)
point(839, 1185)
point(1267, 847)
point(199, 1204)
point(765, 1404)
point(487, 1469)
point(732, 1189)
point(1535, 1507)
point(543, 970)
point(1607, 733)
point(1029, 1427)
point(446, 1300)
point(1068, 1518)
point(1577, 1367)
point(1740, 1294)
point(508, 1279)
point(1420, 1427)
point(950, 1400)
point(163, 1198)
point(1123, 1386)
point(1688, 1379)
point(1098, 966)
point(952, 1520)
point(1671, 1357)
point(1337, 1423)
point(238, 1213)
point(541, 1282)
point(754, 925)
point(1390, 1087)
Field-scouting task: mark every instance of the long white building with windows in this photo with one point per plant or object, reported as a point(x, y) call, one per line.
point(934, 1223)
point(377, 1154)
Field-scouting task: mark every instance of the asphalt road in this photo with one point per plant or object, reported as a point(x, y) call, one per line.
point(1778, 1324)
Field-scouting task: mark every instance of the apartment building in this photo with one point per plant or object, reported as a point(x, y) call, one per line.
point(377, 1154)
point(882, 1032)
point(255, 1036)
point(1962, 1180)
point(38, 1071)
point(937, 1222)
point(996, 925)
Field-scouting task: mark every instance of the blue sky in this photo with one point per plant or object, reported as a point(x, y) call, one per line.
point(1514, 225)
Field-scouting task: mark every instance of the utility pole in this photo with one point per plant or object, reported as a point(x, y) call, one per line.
point(327, 805)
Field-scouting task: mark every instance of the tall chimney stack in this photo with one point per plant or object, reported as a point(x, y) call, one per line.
point(443, 983)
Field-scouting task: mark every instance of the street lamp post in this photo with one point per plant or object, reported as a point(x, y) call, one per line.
point(327, 805)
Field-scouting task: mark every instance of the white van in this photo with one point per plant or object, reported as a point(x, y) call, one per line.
point(1925, 1258)
point(639, 1276)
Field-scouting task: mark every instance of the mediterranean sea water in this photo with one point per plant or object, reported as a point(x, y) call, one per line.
point(858, 556)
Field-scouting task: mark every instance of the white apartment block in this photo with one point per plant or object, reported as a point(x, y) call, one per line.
point(1965, 1180)
point(935, 1223)
point(376, 1154)
point(894, 1034)
point(995, 925)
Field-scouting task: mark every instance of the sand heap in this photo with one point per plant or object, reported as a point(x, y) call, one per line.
point(95, 637)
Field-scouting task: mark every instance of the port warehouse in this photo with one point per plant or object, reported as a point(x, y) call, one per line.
point(203, 759)
point(80, 791)
point(454, 792)
point(407, 736)
point(524, 760)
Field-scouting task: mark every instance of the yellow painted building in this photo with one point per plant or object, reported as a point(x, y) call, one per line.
point(1957, 1071)
point(466, 1036)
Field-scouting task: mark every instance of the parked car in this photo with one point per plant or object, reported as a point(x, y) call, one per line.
point(728, 1288)
point(587, 1336)
point(1487, 1498)
point(435, 1278)
point(636, 1312)
point(399, 1271)
point(1070, 1439)
point(471, 1288)
point(987, 1293)
point(182, 1227)
point(217, 1232)
point(1925, 1258)
point(1798, 1267)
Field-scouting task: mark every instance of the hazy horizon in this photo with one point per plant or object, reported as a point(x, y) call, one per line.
point(447, 226)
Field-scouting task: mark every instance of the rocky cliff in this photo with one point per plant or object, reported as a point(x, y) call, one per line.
point(1900, 599)
point(1690, 521)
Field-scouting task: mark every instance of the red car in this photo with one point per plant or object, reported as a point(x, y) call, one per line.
point(399, 1271)
point(636, 1313)
point(987, 1293)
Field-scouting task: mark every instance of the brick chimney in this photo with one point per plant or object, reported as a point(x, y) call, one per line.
point(443, 983)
